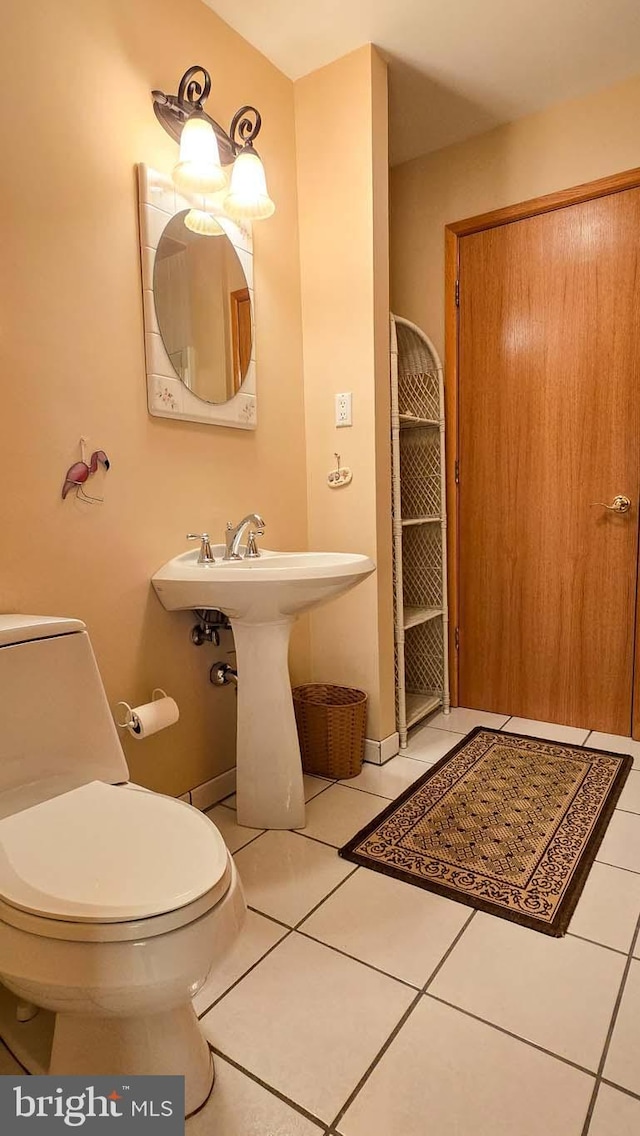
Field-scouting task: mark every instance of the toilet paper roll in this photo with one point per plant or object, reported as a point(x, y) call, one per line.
point(153, 716)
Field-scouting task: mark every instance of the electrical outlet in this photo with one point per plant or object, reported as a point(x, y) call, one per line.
point(343, 409)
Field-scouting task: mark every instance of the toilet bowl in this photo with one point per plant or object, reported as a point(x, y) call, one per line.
point(115, 902)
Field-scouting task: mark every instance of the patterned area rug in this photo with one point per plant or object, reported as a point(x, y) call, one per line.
point(505, 823)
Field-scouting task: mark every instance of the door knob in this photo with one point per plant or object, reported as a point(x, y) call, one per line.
point(620, 504)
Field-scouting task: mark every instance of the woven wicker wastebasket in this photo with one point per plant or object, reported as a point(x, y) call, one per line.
point(331, 724)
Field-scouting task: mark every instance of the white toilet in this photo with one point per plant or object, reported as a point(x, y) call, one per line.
point(115, 902)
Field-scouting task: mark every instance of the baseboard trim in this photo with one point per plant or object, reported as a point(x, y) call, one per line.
point(206, 795)
point(210, 792)
point(378, 753)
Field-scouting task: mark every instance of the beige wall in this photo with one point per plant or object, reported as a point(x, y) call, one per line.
point(573, 142)
point(341, 125)
point(77, 75)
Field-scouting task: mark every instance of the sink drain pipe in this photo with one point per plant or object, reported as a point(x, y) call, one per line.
point(221, 674)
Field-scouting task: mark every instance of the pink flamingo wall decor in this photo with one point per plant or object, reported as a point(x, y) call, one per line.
point(80, 471)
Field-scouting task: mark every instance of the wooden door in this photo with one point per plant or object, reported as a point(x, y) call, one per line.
point(549, 423)
point(240, 335)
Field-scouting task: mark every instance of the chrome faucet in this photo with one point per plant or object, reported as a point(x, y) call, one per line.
point(234, 535)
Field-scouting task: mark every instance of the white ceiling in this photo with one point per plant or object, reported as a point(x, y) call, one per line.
point(457, 67)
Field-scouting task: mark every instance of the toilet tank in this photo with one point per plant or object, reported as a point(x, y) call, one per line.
point(56, 728)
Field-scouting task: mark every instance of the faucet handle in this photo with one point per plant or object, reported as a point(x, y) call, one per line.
point(205, 555)
point(252, 552)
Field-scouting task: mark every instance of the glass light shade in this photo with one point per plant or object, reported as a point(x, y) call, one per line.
point(198, 169)
point(247, 199)
point(203, 223)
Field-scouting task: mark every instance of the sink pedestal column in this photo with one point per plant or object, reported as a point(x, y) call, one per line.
point(270, 789)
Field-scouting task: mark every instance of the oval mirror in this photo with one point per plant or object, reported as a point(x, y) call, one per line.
point(203, 309)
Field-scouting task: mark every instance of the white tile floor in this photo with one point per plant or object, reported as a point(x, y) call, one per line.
point(357, 1005)
point(379, 1009)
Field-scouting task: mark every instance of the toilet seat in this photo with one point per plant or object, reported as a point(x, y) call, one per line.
point(103, 854)
point(133, 930)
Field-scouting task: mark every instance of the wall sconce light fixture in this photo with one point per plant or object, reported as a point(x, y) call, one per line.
point(206, 148)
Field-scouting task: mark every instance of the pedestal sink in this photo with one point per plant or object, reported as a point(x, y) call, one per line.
point(262, 598)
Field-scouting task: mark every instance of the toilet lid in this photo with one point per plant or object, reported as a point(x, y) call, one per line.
point(106, 854)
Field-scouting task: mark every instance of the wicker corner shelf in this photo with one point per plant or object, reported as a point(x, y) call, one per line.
point(419, 526)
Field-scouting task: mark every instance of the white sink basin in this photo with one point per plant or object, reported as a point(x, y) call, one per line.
point(275, 585)
point(262, 598)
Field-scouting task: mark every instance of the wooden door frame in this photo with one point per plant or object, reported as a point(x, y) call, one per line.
point(602, 187)
point(240, 296)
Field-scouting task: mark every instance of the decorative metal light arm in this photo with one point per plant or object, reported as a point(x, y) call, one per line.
point(243, 130)
point(172, 111)
point(192, 92)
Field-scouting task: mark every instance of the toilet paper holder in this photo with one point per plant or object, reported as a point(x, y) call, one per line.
point(132, 722)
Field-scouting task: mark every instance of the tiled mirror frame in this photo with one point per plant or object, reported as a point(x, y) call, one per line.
point(167, 396)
